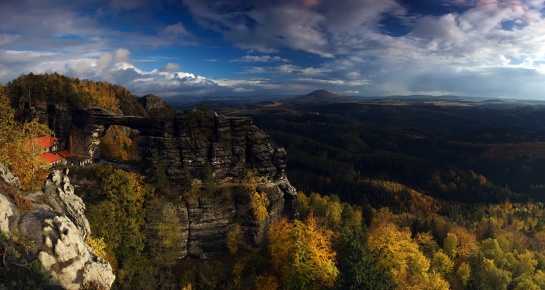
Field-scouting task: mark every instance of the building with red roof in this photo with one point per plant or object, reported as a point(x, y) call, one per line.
point(49, 143)
point(55, 156)
point(53, 159)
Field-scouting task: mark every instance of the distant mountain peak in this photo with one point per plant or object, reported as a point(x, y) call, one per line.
point(321, 96)
point(321, 93)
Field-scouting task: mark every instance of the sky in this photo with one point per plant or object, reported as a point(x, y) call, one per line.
point(181, 48)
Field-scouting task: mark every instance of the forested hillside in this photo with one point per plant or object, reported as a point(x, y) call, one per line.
point(32, 89)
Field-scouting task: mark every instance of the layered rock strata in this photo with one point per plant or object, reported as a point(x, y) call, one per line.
point(227, 148)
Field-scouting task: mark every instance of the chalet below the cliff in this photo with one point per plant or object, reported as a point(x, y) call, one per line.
point(50, 145)
point(56, 155)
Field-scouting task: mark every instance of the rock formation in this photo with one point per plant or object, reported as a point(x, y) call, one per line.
point(193, 143)
point(56, 228)
point(151, 102)
point(228, 147)
point(59, 195)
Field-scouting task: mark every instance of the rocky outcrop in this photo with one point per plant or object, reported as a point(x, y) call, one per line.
point(58, 117)
point(150, 102)
point(209, 221)
point(9, 215)
point(59, 194)
point(228, 145)
point(8, 177)
point(68, 259)
point(56, 230)
point(197, 142)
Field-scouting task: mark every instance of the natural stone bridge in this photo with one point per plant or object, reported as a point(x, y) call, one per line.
point(93, 117)
point(94, 122)
point(229, 145)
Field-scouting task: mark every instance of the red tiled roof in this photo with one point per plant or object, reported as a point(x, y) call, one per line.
point(50, 157)
point(46, 141)
point(65, 154)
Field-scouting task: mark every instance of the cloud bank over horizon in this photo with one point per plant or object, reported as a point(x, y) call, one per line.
point(488, 48)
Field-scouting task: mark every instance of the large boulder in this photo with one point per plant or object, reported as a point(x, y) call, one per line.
point(9, 215)
point(69, 260)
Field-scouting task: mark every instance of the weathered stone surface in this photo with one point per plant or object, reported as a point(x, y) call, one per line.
point(9, 215)
point(69, 260)
point(60, 196)
point(209, 221)
point(8, 177)
point(54, 238)
point(183, 216)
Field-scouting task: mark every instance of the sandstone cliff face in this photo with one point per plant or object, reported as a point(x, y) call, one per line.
point(58, 117)
point(196, 142)
point(227, 147)
point(57, 228)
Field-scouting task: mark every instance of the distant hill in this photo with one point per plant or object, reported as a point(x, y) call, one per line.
point(320, 97)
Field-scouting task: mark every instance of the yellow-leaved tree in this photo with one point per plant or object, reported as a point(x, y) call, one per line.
point(302, 254)
point(401, 255)
point(259, 200)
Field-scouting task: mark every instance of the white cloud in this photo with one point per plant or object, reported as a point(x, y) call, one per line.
point(348, 92)
point(242, 90)
point(114, 67)
point(505, 36)
point(170, 67)
point(321, 27)
point(444, 27)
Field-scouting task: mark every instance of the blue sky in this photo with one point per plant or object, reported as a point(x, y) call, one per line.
point(177, 48)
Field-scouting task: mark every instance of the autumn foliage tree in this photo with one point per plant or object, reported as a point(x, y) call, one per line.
point(302, 254)
point(20, 150)
point(117, 144)
point(401, 254)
